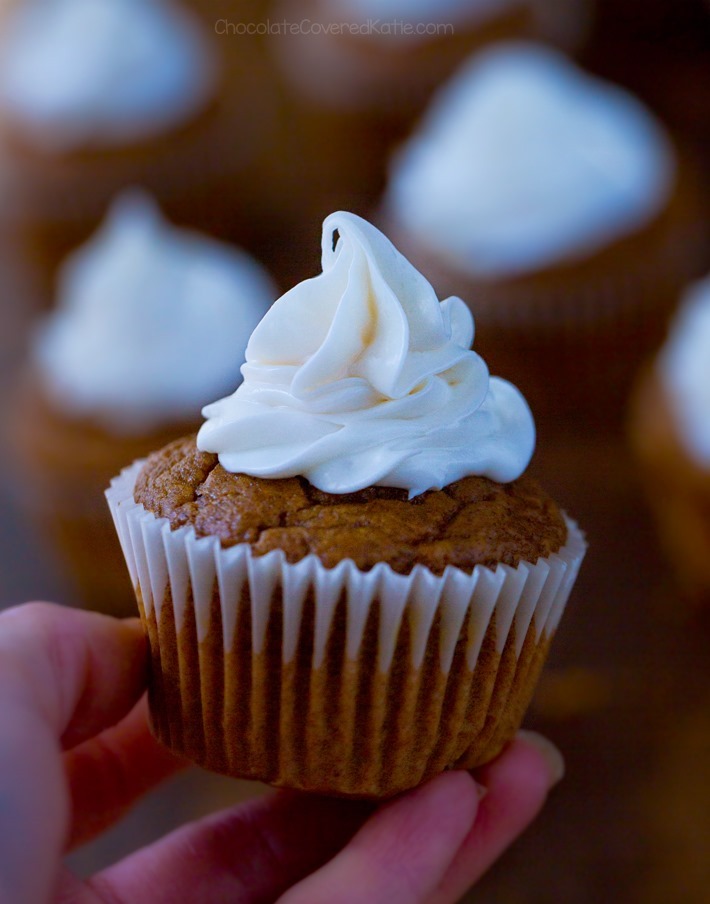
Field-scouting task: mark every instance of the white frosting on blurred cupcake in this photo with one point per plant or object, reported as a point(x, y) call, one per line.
point(151, 322)
point(102, 73)
point(524, 161)
point(684, 367)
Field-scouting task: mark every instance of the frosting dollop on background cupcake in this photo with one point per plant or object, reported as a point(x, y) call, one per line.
point(525, 161)
point(93, 73)
point(361, 377)
point(151, 321)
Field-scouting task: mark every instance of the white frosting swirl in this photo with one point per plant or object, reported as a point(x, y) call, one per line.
point(102, 73)
point(684, 366)
point(361, 377)
point(524, 161)
point(151, 322)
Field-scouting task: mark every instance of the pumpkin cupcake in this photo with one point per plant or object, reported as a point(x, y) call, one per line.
point(560, 208)
point(670, 434)
point(100, 95)
point(114, 371)
point(347, 584)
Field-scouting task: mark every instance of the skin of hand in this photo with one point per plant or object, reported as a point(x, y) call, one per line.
point(76, 752)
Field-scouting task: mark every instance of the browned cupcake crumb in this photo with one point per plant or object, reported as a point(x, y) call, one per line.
point(474, 521)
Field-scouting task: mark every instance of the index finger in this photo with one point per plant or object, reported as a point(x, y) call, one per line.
point(80, 671)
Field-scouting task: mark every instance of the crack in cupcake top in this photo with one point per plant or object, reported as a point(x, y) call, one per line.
point(474, 521)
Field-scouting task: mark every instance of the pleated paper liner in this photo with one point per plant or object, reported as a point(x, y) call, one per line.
point(573, 336)
point(339, 681)
point(677, 488)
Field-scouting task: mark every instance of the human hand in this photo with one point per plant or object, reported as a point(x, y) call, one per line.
point(76, 752)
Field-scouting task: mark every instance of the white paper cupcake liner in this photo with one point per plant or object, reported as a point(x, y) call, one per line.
point(398, 676)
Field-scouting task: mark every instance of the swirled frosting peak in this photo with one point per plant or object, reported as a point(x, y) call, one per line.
point(361, 377)
point(102, 73)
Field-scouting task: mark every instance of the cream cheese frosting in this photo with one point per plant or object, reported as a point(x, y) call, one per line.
point(684, 367)
point(102, 73)
point(524, 161)
point(151, 322)
point(361, 377)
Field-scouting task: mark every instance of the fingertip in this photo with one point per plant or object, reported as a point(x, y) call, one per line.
point(446, 805)
point(548, 755)
point(517, 784)
point(131, 628)
point(519, 781)
point(455, 793)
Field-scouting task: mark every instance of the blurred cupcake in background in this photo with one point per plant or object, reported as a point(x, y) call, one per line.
point(151, 322)
point(389, 55)
point(670, 434)
point(558, 206)
point(356, 76)
point(97, 95)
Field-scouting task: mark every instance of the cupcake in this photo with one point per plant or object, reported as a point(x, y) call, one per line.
point(356, 74)
point(670, 434)
point(559, 207)
point(99, 95)
point(150, 323)
point(347, 584)
point(388, 55)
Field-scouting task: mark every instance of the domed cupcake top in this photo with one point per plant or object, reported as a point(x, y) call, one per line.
point(151, 322)
point(684, 366)
point(525, 161)
point(102, 73)
point(361, 377)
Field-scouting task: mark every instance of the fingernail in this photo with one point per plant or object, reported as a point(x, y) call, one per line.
point(481, 790)
point(551, 755)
